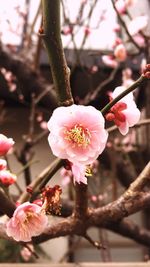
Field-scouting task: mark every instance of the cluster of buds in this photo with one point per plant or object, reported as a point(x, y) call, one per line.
point(6, 177)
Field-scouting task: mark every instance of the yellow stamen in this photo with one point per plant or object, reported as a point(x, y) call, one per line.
point(88, 171)
point(78, 135)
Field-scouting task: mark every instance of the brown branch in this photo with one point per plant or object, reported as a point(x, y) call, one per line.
point(81, 201)
point(7, 206)
point(53, 44)
point(42, 179)
point(131, 230)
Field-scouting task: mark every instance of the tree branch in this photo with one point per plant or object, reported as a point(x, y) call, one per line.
point(53, 44)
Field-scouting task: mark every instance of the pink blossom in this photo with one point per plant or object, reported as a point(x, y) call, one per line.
point(28, 220)
point(77, 133)
point(43, 125)
point(3, 164)
point(110, 61)
point(139, 39)
point(120, 53)
point(78, 171)
point(137, 24)
point(5, 144)
point(7, 178)
point(26, 253)
point(127, 77)
point(116, 28)
point(120, 6)
point(124, 113)
point(67, 30)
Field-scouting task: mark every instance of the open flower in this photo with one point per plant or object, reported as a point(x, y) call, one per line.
point(77, 133)
point(7, 178)
point(28, 220)
point(124, 113)
point(5, 144)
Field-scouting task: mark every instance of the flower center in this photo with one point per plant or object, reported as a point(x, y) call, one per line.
point(78, 136)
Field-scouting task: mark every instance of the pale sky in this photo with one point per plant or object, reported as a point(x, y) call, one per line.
point(11, 24)
point(101, 37)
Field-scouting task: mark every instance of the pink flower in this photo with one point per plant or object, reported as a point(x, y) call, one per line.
point(124, 113)
point(3, 164)
point(78, 171)
point(7, 178)
point(110, 61)
point(139, 39)
point(120, 53)
point(120, 6)
point(137, 24)
point(26, 253)
point(5, 144)
point(127, 77)
point(28, 220)
point(77, 133)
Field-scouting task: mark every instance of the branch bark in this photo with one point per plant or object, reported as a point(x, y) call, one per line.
point(53, 44)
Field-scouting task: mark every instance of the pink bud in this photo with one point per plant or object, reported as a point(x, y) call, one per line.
point(7, 178)
point(5, 144)
point(120, 52)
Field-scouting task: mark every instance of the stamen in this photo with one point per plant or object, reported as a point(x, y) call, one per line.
point(78, 135)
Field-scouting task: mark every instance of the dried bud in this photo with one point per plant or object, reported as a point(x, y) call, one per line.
point(146, 71)
point(51, 199)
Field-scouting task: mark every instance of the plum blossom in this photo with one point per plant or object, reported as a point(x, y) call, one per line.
point(137, 24)
point(124, 113)
point(5, 144)
point(139, 39)
point(122, 5)
point(120, 52)
point(110, 61)
point(26, 253)
point(77, 133)
point(78, 171)
point(127, 77)
point(7, 178)
point(28, 220)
